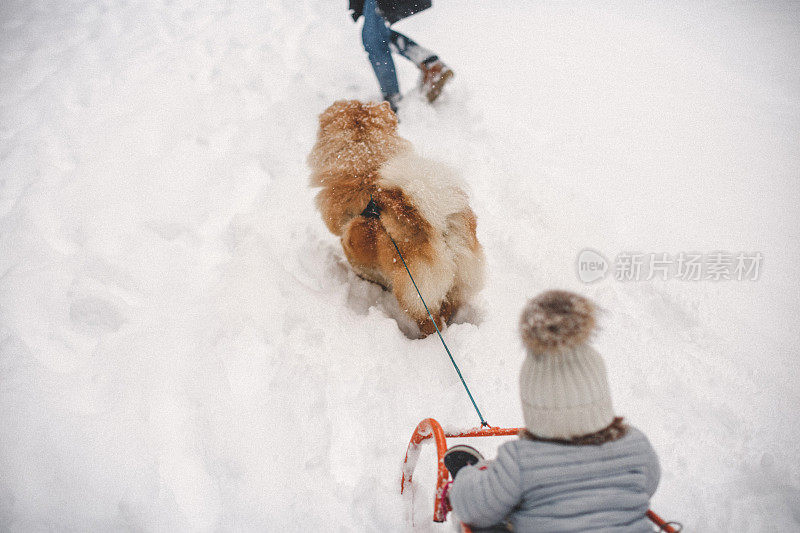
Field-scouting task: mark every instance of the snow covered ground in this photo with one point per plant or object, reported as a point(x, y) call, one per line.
point(184, 348)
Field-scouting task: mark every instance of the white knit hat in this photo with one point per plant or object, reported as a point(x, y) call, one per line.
point(562, 382)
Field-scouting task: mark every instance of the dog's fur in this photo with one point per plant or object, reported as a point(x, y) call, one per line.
point(423, 206)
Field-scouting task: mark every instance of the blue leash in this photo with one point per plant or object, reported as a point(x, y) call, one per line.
point(372, 208)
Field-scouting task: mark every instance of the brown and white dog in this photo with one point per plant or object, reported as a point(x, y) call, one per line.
point(420, 203)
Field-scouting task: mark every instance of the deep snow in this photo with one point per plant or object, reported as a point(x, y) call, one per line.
point(184, 348)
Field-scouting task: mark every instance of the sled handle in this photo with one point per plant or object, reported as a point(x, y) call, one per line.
point(425, 430)
point(662, 524)
point(430, 428)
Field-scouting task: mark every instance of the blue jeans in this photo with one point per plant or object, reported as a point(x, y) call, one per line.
point(380, 41)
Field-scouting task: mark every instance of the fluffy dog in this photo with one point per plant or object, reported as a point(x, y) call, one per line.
point(359, 157)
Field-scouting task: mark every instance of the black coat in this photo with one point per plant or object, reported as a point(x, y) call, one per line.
point(392, 10)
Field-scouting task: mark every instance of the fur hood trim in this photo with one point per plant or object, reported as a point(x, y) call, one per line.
point(614, 431)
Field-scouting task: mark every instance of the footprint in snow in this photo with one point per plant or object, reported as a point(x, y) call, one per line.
point(96, 316)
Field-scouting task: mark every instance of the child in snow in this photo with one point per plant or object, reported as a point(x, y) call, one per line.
point(576, 467)
point(380, 41)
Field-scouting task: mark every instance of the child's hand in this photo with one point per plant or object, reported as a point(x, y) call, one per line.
point(446, 497)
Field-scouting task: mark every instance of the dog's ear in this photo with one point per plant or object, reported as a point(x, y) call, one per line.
point(385, 113)
point(335, 110)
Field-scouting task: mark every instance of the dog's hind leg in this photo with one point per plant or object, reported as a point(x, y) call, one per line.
point(359, 242)
point(468, 257)
point(448, 308)
point(411, 304)
point(433, 279)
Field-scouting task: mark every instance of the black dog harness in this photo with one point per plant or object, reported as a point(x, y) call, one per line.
point(372, 210)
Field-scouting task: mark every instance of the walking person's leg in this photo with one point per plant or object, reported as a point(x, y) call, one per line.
point(400, 44)
point(376, 37)
point(434, 72)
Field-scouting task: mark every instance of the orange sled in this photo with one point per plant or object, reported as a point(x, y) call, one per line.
point(430, 428)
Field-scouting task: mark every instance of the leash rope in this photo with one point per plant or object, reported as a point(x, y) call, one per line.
point(371, 207)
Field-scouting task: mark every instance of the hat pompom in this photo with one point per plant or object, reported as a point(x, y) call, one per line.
point(556, 321)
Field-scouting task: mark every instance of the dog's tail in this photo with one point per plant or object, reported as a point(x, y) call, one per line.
point(433, 188)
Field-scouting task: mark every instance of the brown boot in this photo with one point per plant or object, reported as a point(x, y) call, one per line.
point(434, 75)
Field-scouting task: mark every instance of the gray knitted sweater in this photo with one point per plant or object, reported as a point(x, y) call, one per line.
point(547, 487)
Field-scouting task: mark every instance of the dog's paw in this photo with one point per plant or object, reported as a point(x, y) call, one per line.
point(426, 326)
